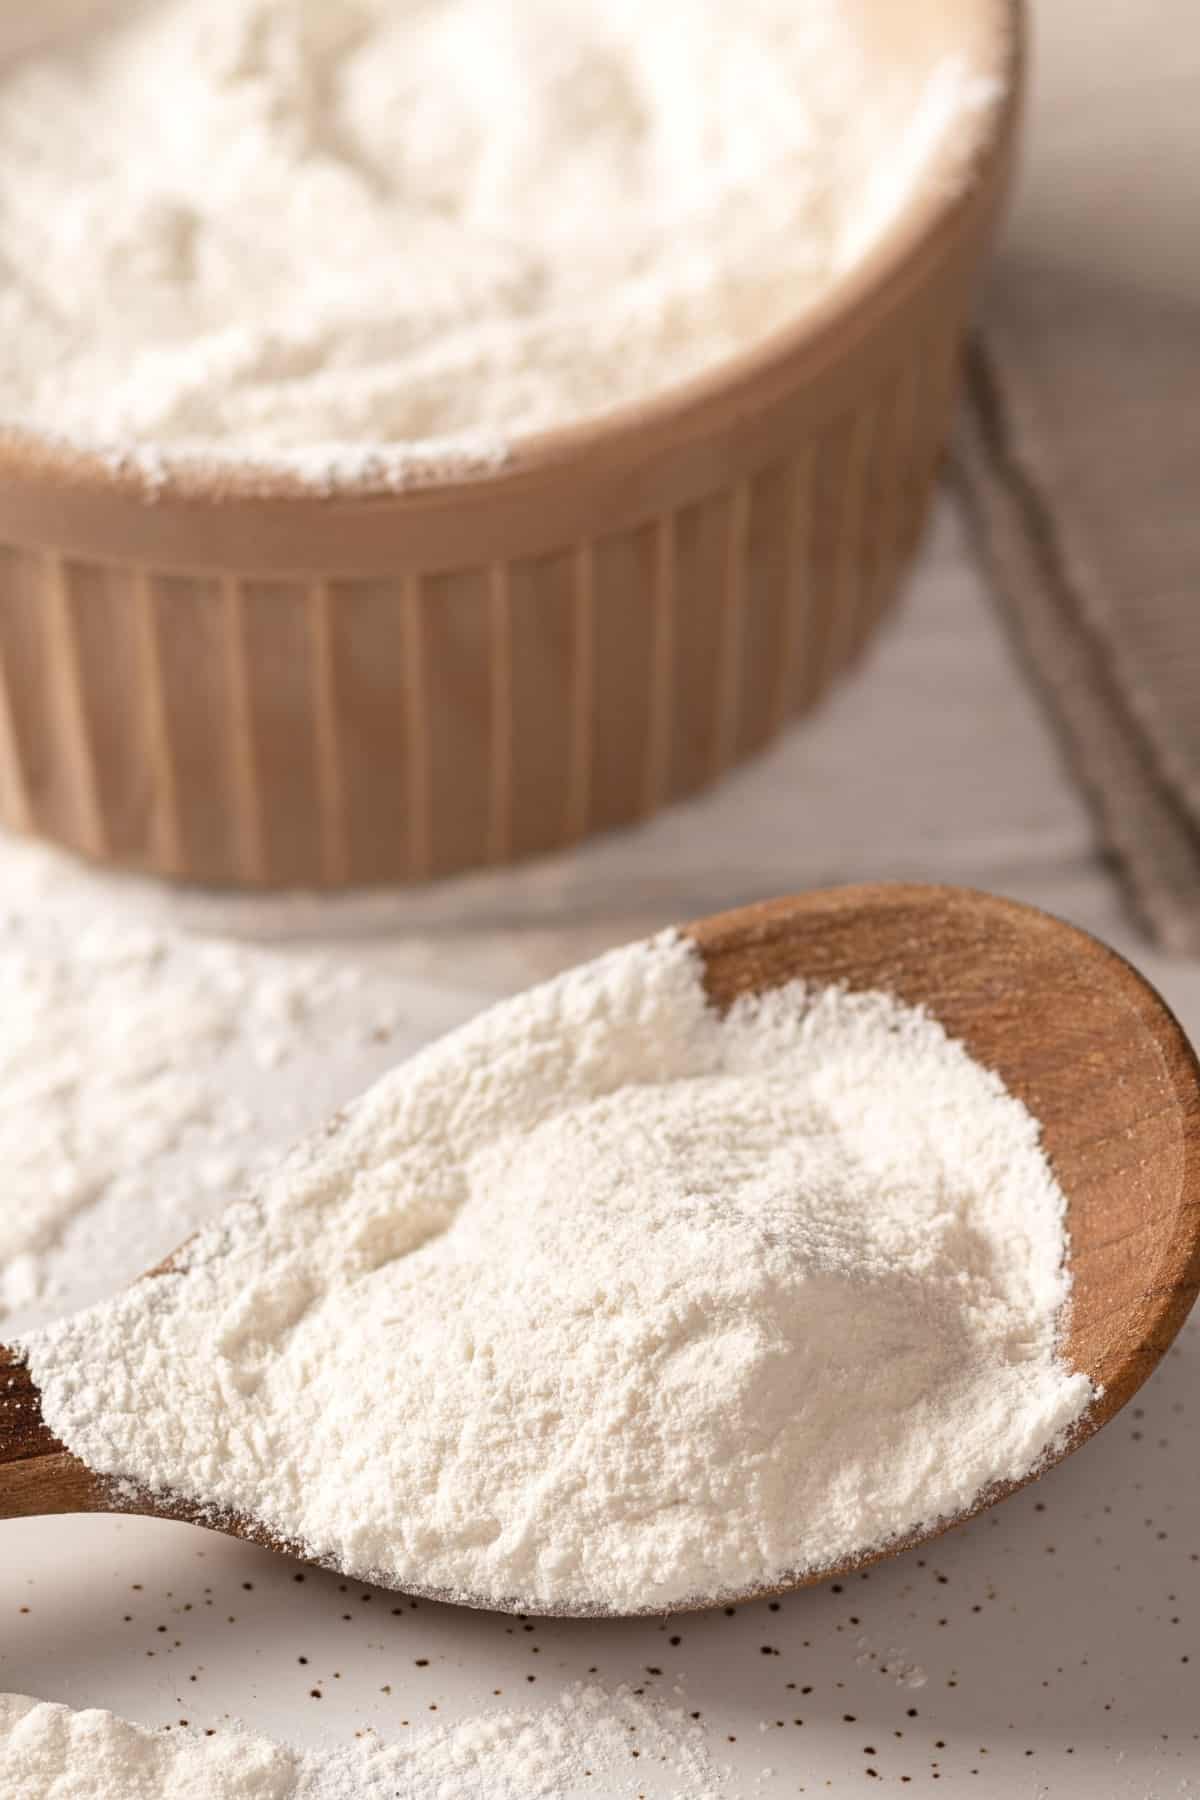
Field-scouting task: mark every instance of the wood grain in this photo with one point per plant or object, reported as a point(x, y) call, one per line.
point(1075, 1032)
point(37, 1475)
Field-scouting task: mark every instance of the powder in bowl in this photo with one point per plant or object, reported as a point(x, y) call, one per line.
point(306, 229)
point(608, 1302)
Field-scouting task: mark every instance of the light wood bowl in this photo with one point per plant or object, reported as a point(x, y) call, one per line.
point(239, 680)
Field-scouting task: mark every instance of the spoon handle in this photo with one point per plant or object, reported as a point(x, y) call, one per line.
point(36, 1474)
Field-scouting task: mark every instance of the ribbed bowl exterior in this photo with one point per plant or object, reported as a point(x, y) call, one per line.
point(327, 691)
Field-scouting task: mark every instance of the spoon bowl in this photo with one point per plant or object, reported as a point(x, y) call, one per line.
point(1074, 1032)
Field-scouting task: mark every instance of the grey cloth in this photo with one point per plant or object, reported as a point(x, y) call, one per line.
point(1079, 455)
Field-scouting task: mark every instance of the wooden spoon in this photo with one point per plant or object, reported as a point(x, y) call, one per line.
point(1073, 1030)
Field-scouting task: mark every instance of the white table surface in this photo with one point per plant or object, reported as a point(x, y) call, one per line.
point(1059, 1635)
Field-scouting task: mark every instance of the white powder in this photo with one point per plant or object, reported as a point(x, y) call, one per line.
point(606, 1302)
point(143, 1076)
point(109, 1039)
point(892, 1662)
point(308, 230)
point(607, 1747)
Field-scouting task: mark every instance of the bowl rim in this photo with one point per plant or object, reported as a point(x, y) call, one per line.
point(919, 232)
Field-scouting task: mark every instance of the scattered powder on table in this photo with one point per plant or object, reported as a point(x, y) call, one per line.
point(606, 1301)
point(144, 1075)
point(607, 1746)
point(310, 229)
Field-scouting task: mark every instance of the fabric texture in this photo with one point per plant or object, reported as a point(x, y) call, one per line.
point(1079, 454)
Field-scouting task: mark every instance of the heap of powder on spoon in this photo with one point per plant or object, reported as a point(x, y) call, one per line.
point(608, 1302)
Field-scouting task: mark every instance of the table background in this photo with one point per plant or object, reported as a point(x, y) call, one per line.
point(1052, 1647)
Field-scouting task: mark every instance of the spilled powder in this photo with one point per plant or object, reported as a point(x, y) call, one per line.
point(111, 1039)
point(608, 1746)
point(146, 1074)
point(606, 1302)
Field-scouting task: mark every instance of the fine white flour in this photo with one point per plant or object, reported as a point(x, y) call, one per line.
point(146, 1070)
point(144, 1075)
point(114, 1051)
point(605, 1301)
point(590, 1743)
point(305, 229)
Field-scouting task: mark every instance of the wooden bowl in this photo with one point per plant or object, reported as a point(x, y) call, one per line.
point(237, 679)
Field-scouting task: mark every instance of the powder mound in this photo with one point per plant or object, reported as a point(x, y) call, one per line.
point(588, 1741)
point(606, 1301)
point(297, 228)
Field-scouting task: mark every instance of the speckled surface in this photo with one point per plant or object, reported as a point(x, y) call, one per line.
point(1050, 1648)
point(1048, 1651)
